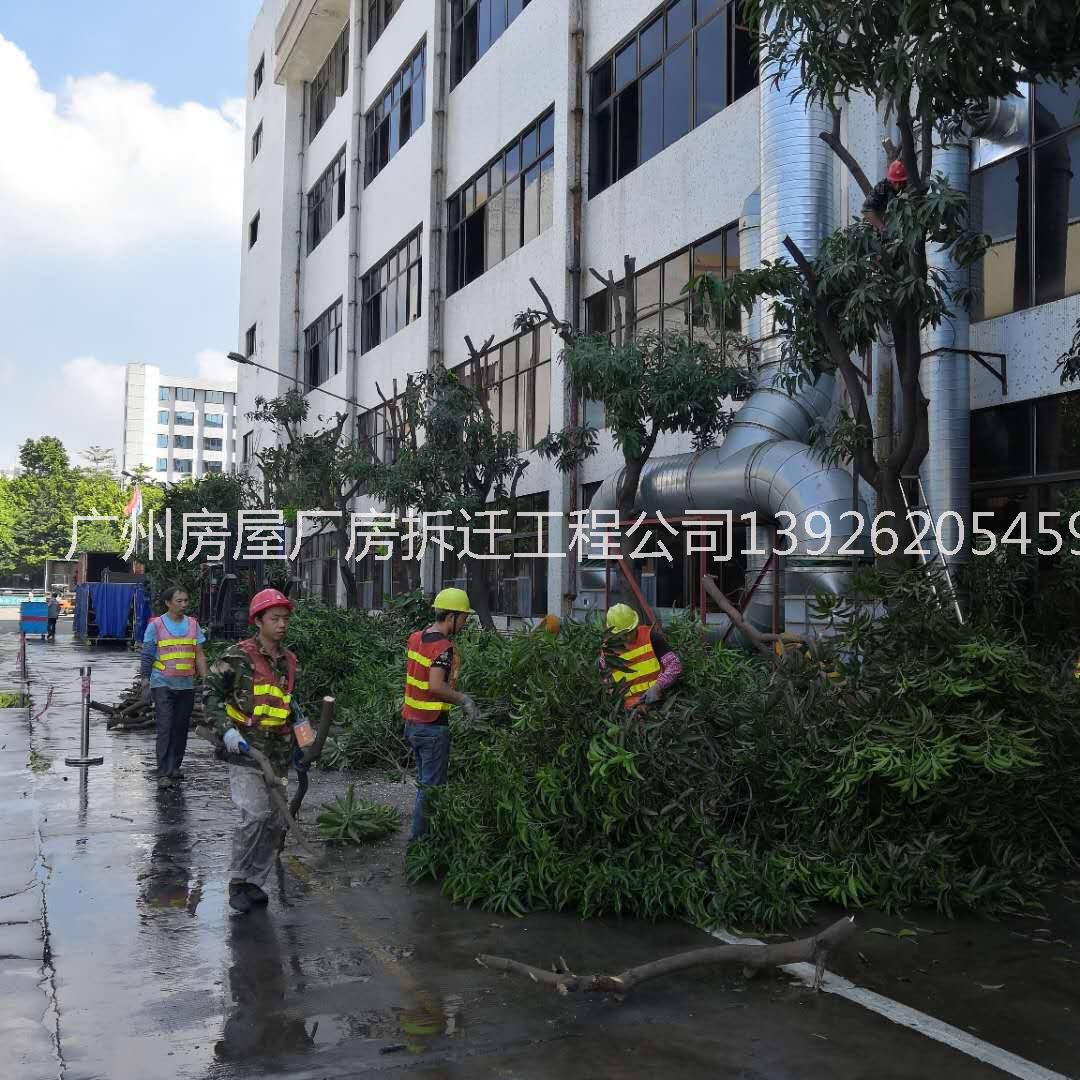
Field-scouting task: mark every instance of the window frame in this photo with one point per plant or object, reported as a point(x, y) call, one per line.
point(383, 122)
point(379, 14)
point(219, 400)
point(250, 340)
point(253, 230)
point(179, 421)
point(258, 76)
point(161, 464)
point(328, 84)
point(207, 449)
point(385, 275)
point(513, 164)
point(325, 202)
point(183, 392)
point(164, 417)
point(606, 113)
point(247, 446)
point(461, 11)
point(256, 141)
point(327, 327)
point(1029, 151)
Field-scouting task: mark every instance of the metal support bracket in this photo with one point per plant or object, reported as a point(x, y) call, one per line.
point(980, 355)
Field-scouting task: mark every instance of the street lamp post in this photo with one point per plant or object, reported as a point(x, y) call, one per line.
point(239, 358)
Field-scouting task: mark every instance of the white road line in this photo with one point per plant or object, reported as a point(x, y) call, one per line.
point(926, 1025)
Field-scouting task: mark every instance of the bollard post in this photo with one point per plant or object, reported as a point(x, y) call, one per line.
point(84, 740)
point(22, 656)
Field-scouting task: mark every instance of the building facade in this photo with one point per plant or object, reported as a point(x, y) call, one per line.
point(177, 427)
point(411, 165)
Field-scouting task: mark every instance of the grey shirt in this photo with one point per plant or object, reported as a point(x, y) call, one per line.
point(54, 609)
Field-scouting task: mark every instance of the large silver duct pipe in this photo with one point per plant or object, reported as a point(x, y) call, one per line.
point(946, 382)
point(764, 465)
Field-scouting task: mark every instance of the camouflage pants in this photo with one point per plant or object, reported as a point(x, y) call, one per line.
point(258, 838)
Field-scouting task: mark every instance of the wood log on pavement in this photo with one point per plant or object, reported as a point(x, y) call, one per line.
point(752, 959)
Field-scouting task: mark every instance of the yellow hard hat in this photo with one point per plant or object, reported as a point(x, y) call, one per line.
point(622, 618)
point(453, 600)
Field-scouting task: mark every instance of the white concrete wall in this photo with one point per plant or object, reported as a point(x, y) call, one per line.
point(686, 192)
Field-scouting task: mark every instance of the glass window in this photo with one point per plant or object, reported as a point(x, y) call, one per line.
point(390, 292)
point(1057, 218)
point(679, 18)
point(257, 78)
point(1056, 109)
point(677, 94)
point(652, 113)
point(163, 442)
point(1001, 442)
point(682, 77)
point(184, 419)
point(183, 442)
point(161, 464)
point(331, 82)
point(396, 117)
point(999, 208)
point(711, 69)
point(380, 12)
point(185, 393)
point(322, 346)
point(326, 202)
point(500, 208)
point(214, 420)
point(475, 26)
point(648, 290)
point(215, 397)
point(163, 417)
point(1057, 433)
point(212, 466)
point(164, 393)
point(214, 445)
point(182, 465)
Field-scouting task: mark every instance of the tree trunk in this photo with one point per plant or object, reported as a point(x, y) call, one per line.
point(478, 576)
point(348, 574)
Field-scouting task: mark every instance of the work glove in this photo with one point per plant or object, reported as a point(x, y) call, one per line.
point(652, 696)
point(300, 760)
point(235, 743)
point(468, 707)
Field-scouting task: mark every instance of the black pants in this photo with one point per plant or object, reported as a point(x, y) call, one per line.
point(172, 714)
point(52, 628)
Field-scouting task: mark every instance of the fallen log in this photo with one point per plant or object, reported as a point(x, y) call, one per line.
point(752, 959)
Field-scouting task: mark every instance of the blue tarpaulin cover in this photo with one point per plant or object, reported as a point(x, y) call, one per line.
point(111, 604)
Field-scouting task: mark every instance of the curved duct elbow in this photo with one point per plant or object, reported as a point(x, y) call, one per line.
point(1001, 120)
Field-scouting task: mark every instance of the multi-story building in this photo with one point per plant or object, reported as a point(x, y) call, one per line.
point(412, 164)
point(177, 426)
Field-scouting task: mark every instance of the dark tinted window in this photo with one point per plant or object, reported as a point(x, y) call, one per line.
point(1057, 433)
point(1001, 442)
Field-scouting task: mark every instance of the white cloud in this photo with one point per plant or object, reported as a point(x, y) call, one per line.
point(104, 169)
point(211, 364)
point(82, 405)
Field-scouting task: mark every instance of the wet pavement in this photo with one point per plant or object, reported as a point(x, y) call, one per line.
point(119, 956)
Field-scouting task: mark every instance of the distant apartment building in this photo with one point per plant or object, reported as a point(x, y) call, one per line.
point(177, 426)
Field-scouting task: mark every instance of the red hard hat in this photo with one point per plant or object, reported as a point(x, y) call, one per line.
point(897, 174)
point(268, 598)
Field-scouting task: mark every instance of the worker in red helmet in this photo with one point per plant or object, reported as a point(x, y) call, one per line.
point(251, 703)
point(877, 201)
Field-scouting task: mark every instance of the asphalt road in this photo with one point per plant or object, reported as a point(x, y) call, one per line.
point(119, 956)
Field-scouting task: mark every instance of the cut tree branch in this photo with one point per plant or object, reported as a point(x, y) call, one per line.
point(751, 958)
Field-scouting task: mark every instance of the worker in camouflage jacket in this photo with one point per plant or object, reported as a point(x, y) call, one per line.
point(251, 705)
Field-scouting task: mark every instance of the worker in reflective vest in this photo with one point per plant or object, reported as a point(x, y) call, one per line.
point(637, 659)
point(251, 704)
point(171, 656)
point(430, 691)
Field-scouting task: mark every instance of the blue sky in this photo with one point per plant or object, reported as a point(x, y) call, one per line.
point(120, 206)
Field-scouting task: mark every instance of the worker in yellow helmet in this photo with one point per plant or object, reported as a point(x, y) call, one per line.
point(647, 666)
point(430, 691)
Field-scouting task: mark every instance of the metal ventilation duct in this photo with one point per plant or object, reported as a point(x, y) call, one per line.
point(946, 382)
point(764, 464)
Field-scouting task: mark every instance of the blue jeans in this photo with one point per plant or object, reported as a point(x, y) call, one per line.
point(431, 744)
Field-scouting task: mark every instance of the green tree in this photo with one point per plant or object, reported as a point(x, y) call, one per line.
point(649, 384)
point(931, 68)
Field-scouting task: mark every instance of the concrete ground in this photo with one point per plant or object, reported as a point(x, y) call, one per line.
point(119, 956)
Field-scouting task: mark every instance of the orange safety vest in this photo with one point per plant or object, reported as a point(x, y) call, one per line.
point(271, 701)
point(643, 669)
point(420, 707)
point(175, 655)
